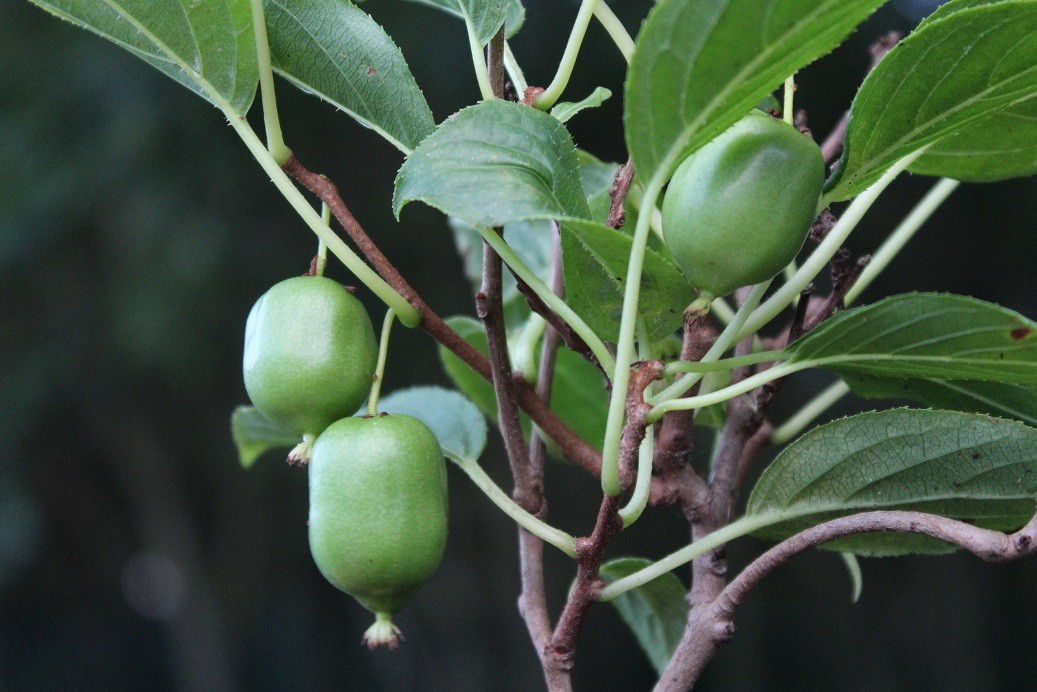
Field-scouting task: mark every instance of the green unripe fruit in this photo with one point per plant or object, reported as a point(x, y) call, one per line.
point(378, 512)
point(738, 210)
point(310, 354)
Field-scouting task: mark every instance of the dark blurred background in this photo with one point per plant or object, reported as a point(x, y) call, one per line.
point(135, 233)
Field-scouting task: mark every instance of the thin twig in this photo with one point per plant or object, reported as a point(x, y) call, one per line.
point(832, 147)
point(533, 599)
point(588, 583)
point(717, 626)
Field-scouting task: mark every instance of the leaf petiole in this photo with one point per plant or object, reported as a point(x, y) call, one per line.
point(379, 368)
point(554, 90)
point(274, 137)
point(549, 534)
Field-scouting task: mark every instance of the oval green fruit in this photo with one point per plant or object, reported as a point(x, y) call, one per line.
point(310, 353)
point(738, 210)
point(378, 512)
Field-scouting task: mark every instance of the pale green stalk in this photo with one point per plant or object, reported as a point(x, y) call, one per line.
point(722, 310)
point(646, 451)
point(518, 78)
point(379, 368)
point(616, 31)
point(788, 93)
point(809, 413)
point(725, 341)
point(274, 137)
point(554, 90)
point(524, 353)
point(404, 310)
point(704, 367)
point(901, 235)
point(729, 392)
point(735, 529)
point(625, 347)
point(482, 75)
point(542, 530)
point(322, 247)
point(817, 261)
point(544, 292)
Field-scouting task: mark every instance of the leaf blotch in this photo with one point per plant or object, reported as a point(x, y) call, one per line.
point(1020, 333)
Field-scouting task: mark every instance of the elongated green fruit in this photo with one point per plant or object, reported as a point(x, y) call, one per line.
point(738, 210)
point(378, 512)
point(310, 354)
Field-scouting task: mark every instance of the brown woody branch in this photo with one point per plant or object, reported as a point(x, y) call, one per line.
point(618, 192)
point(716, 625)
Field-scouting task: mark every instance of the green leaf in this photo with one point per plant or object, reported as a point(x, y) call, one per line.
point(700, 65)
point(960, 465)
point(485, 16)
point(578, 395)
point(456, 422)
point(494, 163)
point(567, 109)
point(253, 435)
point(336, 51)
point(928, 335)
point(948, 79)
point(206, 45)
point(596, 259)
point(995, 398)
point(656, 613)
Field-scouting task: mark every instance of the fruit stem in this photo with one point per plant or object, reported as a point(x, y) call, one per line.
point(405, 311)
point(901, 235)
point(379, 368)
point(554, 90)
point(788, 92)
point(322, 247)
point(525, 347)
point(274, 137)
point(616, 31)
point(382, 633)
point(482, 74)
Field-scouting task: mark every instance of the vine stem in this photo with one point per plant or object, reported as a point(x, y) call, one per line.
point(407, 314)
point(788, 94)
point(615, 29)
point(715, 626)
point(379, 369)
point(809, 413)
point(544, 292)
point(625, 347)
point(554, 90)
point(274, 137)
point(901, 235)
point(549, 534)
point(482, 75)
point(785, 295)
point(735, 529)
